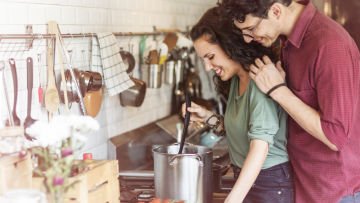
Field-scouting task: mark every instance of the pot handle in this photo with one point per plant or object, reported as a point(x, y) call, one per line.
point(173, 159)
point(185, 144)
point(154, 147)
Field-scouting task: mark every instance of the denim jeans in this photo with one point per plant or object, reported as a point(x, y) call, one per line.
point(273, 185)
point(355, 198)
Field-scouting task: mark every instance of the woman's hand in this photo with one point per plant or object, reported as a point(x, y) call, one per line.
point(198, 113)
point(266, 74)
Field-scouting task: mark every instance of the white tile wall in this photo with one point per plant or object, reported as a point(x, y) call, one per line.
point(81, 16)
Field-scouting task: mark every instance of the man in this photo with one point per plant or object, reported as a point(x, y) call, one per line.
point(321, 94)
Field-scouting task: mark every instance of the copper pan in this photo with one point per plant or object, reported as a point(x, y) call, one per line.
point(71, 88)
point(92, 80)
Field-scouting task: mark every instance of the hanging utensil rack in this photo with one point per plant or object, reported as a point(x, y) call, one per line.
point(79, 35)
point(17, 46)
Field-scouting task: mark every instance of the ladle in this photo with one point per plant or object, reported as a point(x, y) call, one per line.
point(186, 122)
point(28, 120)
point(16, 119)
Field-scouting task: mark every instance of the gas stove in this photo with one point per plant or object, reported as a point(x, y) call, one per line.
point(133, 150)
point(137, 186)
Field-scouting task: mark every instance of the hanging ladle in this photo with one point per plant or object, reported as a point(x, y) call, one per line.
point(28, 120)
point(186, 122)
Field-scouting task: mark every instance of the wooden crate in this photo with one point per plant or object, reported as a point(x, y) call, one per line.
point(97, 185)
point(15, 172)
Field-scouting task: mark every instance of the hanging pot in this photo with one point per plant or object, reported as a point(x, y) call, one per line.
point(93, 101)
point(93, 95)
point(129, 59)
point(134, 96)
point(71, 86)
point(88, 81)
point(92, 80)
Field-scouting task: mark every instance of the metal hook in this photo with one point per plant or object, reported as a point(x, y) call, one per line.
point(39, 37)
point(71, 40)
point(70, 51)
point(51, 42)
point(83, 59)
point(130, 45)
point(154, 36)
point(84, 36)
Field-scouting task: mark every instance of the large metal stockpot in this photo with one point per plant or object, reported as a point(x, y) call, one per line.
point(186, 176)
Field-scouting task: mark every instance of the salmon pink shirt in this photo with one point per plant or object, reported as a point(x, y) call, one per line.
point(322, 68)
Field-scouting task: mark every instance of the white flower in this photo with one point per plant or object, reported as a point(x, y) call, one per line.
point(48, 134)
point(83, 124)
point(61, 128)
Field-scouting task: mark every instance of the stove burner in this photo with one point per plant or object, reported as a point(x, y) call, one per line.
point(146, 195)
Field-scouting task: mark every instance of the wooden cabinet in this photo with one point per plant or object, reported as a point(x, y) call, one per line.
point(99, 184)
point(15, 172)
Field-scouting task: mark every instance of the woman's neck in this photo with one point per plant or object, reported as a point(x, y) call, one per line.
point(244, 80)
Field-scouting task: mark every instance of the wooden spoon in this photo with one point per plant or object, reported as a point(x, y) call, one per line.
point(52, 100)
point(171, 40)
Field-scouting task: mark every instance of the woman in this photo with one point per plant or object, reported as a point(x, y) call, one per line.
point(255, 125)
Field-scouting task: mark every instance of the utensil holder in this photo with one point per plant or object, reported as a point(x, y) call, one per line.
point(170, 72)
point(179, 71)
point(155, 75)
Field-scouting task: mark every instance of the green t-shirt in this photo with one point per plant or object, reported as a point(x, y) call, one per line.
point(254, 116)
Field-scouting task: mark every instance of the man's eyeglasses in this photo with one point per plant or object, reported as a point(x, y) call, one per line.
point(248, 32)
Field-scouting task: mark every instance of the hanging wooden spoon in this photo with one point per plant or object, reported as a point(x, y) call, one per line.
point(52, 100)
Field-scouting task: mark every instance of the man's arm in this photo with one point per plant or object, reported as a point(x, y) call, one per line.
point(304, 115)
point(266, 76)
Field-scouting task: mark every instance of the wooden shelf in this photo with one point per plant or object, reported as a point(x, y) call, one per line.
point(99, 184)
point(15, 172)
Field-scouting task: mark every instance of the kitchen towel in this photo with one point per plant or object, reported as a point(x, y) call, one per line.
point(107, 60)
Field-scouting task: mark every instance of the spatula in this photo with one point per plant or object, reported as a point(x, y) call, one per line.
point(40, 89)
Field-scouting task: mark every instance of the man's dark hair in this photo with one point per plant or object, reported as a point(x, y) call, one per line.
point(222, 32)
point(238, 9)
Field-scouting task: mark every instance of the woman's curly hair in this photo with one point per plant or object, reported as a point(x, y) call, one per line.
point(222, 32)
